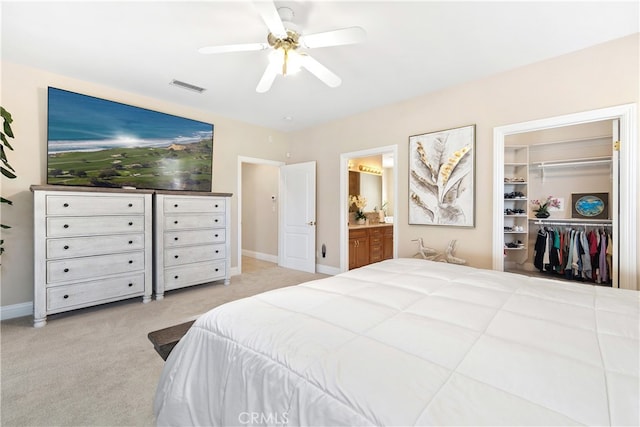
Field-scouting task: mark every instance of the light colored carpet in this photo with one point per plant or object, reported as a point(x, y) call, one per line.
point(96, 366)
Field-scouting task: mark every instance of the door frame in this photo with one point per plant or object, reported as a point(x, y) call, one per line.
point(627, 218)
point(255, 161)
point(344, 206)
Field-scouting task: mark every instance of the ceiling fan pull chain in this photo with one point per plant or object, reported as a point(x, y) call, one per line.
point(284, 65)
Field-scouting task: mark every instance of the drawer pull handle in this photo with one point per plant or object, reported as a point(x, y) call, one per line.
point(66, 205)
point(130, 284)
point(130, 261)
point(130, 205)
point(66, 247)
point(217, 269)
point(65, 226)
point(215, 220)
point(216, 235)
point(175, 238)
point(65, 296)
point(66, 270)
point(217, 251)
point(216, 206)
point(175, 206)
point(175, 222)
point(130, 222)
point(175, 277)
point(175, 256)
point(131, 242)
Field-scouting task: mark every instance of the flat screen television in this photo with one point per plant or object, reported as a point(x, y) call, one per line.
point(100, 143)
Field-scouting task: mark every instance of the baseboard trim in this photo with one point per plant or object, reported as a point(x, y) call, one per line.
point(16, 310)
point(325, 269)
point(322, 269)
point(261, 256)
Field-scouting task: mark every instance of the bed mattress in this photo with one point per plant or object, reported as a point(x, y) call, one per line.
point(411, 342)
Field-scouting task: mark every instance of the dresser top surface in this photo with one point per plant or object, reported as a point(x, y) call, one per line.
point(124, 190)
point(89, 189)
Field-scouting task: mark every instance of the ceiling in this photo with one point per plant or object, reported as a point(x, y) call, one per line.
point(412, 48)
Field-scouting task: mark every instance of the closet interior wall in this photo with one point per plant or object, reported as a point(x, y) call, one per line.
point(562, 162)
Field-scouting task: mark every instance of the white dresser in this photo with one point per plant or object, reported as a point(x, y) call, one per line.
point(91, 246)
point(191, 239)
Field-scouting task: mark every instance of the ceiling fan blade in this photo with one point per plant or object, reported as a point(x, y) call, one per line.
point(320, 71)
point(270, 16)
point(234, 48)
point(343, 36)
point(268, 77)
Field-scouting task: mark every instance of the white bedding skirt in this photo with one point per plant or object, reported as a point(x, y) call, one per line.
point(410, 342)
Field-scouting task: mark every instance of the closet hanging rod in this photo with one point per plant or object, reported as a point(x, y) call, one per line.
point(586, 224)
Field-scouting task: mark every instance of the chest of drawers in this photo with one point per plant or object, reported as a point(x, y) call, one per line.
point(192, 243)
point(91, 246)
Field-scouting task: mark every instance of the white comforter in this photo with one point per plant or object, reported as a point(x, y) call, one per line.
point(411, 342)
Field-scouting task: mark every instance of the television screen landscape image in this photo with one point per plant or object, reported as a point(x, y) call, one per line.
point(100, 143)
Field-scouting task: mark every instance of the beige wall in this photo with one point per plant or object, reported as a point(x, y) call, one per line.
point(601, 76)
point(597, 77)
point(259, 211)
point(24, 94)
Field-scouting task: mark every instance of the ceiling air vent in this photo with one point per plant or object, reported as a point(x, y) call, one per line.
point(187, 86)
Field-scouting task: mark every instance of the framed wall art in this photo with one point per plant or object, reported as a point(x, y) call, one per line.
point(590, 205)
point(442, 178)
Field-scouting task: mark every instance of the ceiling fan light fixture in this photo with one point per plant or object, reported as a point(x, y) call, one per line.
point(288, 61)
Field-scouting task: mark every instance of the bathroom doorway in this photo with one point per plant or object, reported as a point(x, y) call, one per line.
point(386, 182)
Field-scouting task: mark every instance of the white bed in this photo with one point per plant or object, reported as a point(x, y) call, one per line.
point(411, 342)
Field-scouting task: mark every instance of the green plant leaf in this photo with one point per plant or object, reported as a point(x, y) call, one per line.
point(7, 122)
point(7, 201)
point(6, 143)
point(4, 226)
point(8, 173)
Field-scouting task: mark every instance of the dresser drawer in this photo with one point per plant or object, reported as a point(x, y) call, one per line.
point(69, 247)
point(95, 266)
point(182, 222)
point(194, 237)
point(94, 205)
point(193, 274)
point(179, 256)
point(187, 205)
point(95, 225)
point(92, 292)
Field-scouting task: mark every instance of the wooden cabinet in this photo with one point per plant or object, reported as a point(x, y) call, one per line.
point(387, 246)
point(192, 239)
point(370, 244)
point(358, 248)
point(91, 246)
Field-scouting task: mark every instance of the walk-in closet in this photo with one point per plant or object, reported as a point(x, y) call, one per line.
point(560, 199)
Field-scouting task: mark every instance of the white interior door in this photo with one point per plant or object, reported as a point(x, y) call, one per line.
point(298, 217)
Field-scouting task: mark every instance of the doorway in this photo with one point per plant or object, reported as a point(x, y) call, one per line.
point(624, 212)
point(258, 191)
point(390, 185)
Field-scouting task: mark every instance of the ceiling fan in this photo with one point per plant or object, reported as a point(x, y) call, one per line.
point(284, 39)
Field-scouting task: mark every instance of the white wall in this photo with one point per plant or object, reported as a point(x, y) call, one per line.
point(601, 76)
point(259, 211)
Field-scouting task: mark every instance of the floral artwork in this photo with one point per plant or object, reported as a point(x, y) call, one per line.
point(441, 177)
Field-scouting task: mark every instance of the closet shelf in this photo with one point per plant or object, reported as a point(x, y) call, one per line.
point(573, 162)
